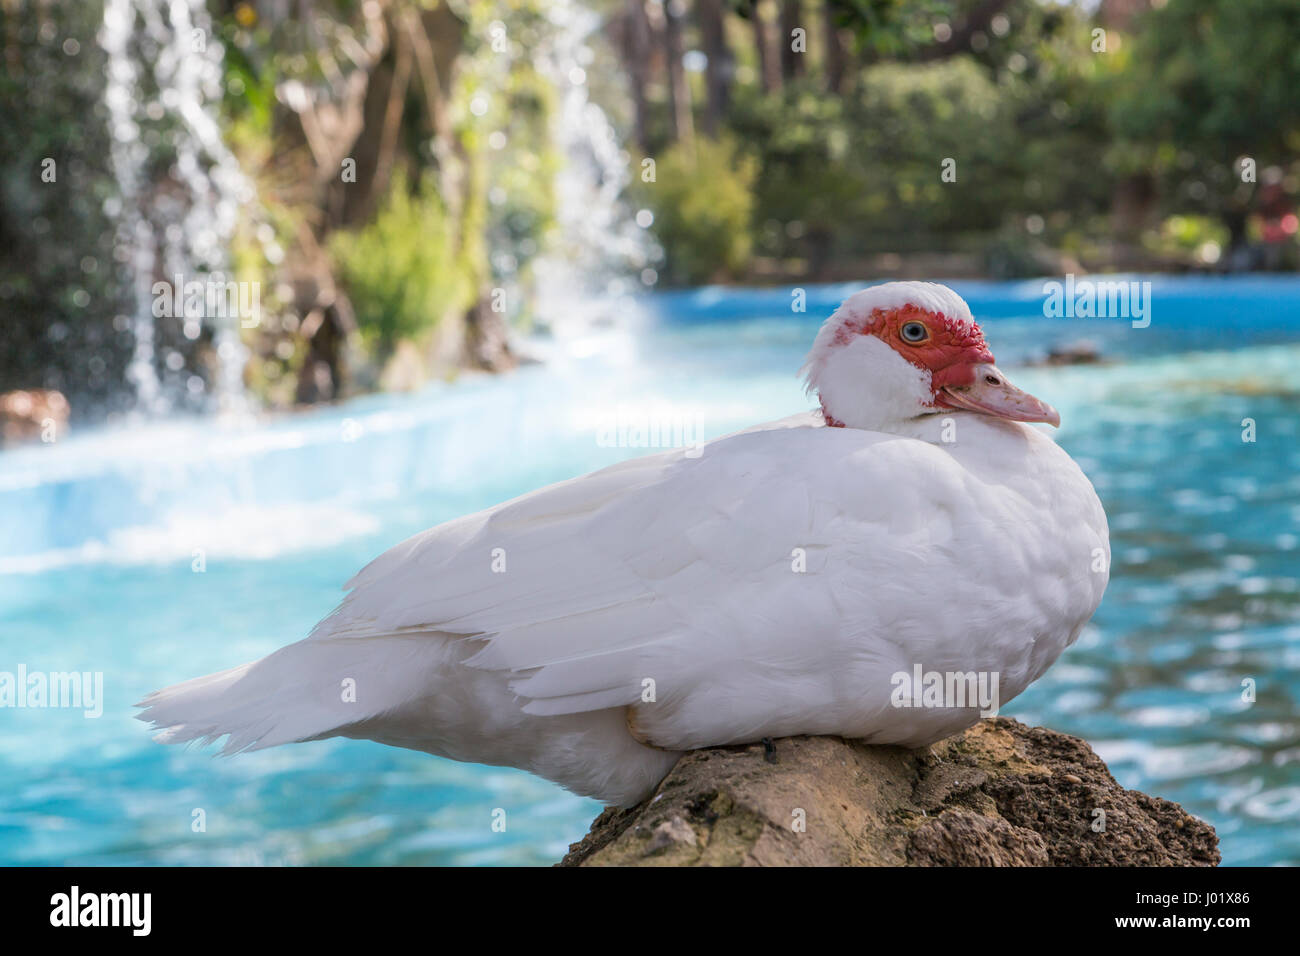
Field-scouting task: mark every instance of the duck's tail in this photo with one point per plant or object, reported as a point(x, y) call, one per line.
point(306, 691)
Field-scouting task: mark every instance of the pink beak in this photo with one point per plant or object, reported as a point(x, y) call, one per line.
point(991, 394)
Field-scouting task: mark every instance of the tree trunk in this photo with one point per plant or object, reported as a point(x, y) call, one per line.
point(720, 64)
point(836, 55)
point(679, 94)
point(769, 68)
point(636, 47)
point(792, 64)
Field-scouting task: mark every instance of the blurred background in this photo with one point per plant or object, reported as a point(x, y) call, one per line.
point(283, 282)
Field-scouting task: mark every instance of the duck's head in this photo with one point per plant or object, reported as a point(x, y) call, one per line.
point(903, 350)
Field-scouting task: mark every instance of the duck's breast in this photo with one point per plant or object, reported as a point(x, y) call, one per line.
point(979, 560)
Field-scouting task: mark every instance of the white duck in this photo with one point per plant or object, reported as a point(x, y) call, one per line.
point(775, 584)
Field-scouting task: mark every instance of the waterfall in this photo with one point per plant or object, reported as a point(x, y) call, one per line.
point(163, 92)
point(127, 156)
point(163, 89)
point(601, 251)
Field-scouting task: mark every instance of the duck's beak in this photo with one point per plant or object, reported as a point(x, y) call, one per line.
point(991, 394)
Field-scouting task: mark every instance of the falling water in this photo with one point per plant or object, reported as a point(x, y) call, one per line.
point(600, 244)
point(128, 155)
point(164, 84)
point(163, 89)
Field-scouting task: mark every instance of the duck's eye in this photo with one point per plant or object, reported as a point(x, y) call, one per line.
point(914, 332)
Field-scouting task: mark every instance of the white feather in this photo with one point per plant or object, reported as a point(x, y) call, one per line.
point(770, 586)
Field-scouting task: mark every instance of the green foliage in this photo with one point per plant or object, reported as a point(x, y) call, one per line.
point(1049, 80)
point(891, 27)
point(702, 202)
point(1051, 132)
point(913, 118)
point(802, 143)
point(401, 271)
point(863, 174)
point(1217, 75)
point(1205, 84)
point(64, 297)
point(1188, 235)
point(518, 210)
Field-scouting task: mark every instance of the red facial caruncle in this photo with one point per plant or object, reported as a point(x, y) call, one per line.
point(948, 348)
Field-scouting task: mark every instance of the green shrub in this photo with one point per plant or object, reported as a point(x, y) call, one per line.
point(703, 203)
point(1187, 237)
point(844, 177)
point(402, 271)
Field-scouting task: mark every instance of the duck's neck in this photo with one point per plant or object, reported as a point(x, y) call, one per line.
point(940, 428)
point(866, 384)
point(830, 420)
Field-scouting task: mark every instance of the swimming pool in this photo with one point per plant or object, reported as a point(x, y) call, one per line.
point(163, 551)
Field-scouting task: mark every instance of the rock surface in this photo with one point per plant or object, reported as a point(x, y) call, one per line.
point(31, 415)
point(1000, 794)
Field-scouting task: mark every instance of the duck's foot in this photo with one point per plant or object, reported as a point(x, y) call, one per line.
point(769, 750)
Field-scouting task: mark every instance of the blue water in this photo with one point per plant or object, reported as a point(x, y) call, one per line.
point(100, 534)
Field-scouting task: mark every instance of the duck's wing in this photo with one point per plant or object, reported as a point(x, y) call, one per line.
point(574, 588)
point(673, 568)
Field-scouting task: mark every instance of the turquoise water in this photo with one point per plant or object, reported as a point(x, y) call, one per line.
point(100, 535)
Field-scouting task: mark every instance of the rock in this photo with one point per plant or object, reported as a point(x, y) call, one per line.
point(1000, 794)
point(1083, 352)
point(31, 415)
point(670, 833)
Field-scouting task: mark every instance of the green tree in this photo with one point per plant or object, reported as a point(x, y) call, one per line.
point(1204, 84)
point(702, 202)
point(401, 270)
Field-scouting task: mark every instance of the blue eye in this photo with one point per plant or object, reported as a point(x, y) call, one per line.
point(914, 332)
